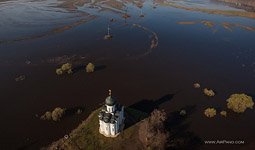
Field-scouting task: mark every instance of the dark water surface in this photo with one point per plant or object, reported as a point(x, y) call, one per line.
point(215, 57)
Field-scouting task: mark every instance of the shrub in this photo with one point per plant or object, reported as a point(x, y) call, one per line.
point(183, 112)
point(70, 71)
point(59, 71)
point(152, 132)
point(66, 67)
point(209, 92)
point(57, 113)
point(46, 116)
point(79, 111)
point(90, 67)
point(196, 85)
point(20, 78)
point(223, 113)
point(210, 112)
point(239, 102)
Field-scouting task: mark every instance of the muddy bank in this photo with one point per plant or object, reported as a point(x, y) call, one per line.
point(248, 5)
point(209, 11)
point(153, 39)
point(226, 25)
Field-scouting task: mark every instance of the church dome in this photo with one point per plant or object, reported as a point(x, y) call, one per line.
point(110, 101)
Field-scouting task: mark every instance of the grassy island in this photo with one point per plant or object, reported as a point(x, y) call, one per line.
point(86, 135)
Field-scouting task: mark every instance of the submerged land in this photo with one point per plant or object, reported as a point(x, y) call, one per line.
point(244, 4)
point(208, 10)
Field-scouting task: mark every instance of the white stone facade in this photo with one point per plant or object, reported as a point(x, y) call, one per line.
point(111, 118)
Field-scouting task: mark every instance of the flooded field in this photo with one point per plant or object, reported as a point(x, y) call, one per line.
point(156, 48)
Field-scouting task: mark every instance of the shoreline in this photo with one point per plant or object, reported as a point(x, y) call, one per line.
point(61, 141)
point(212, 11)
point(247, 5)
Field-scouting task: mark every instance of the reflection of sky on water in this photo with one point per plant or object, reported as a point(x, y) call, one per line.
point(29, 18)
point(21, 18)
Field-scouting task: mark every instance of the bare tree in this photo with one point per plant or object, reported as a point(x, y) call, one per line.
point(152, 132)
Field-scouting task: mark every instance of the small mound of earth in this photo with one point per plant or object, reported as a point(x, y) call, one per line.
point(126, 16)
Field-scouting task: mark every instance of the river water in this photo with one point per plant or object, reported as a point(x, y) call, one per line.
point(165, 51)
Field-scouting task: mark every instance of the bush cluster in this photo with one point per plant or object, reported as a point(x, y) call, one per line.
point(79, 111)
point(55, 115)
point(90, 68)
point(239, 102)
point(196, 85)
point(223, 113)
point(210, 112)
point(183, 112)
point(67, 67)
point(46, 116)
point(209, 92)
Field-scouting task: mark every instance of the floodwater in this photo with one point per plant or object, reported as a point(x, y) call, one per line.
point(147, 58)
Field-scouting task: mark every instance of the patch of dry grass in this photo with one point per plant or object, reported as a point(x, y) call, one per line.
point(209, 24)
point(211, 11)
point(186, 22)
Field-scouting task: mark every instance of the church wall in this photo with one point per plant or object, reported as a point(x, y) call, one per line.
point(122, 114)
point(101, 124)
point(112, 128)
point(107, 128)
point(117, 126)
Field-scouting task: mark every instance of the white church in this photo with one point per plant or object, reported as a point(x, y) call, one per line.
point(111, 117)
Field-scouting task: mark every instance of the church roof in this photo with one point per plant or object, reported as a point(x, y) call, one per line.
point(113, 120)
point(110, 101)
point(108, 117)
